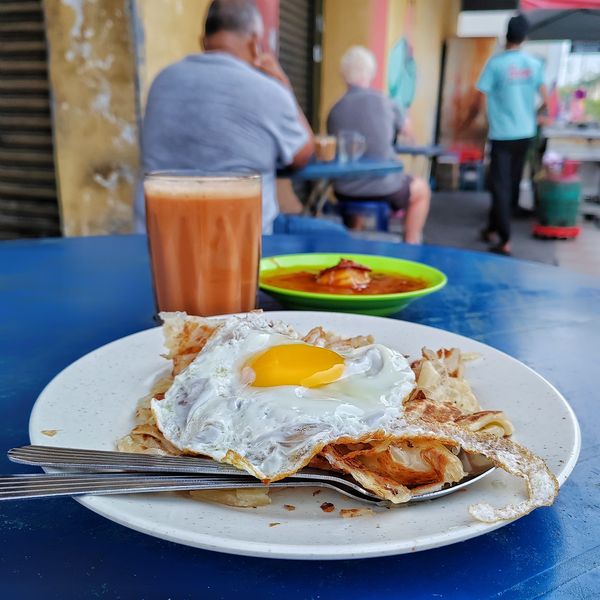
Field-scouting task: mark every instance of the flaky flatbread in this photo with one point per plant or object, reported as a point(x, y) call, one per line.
point(441, 418)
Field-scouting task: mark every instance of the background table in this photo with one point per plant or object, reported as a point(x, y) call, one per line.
point(62, 298)
point(323, 173)
point(430, 151)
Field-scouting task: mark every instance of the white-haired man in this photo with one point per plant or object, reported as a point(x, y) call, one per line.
point(229, 109)
point(379, 120)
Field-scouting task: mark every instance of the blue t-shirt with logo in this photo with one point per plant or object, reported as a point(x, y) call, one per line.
point(510, 80)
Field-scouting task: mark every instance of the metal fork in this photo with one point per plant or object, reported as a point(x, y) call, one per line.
point(145, 473)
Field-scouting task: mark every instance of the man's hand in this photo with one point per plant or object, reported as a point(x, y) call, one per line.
point(268, 64)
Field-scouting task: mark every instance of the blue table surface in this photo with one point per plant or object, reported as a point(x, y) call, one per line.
point(430, 151)
point(337, 170)
point(62, 298)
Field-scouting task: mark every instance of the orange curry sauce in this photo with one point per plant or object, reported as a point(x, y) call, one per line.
point(381, 283)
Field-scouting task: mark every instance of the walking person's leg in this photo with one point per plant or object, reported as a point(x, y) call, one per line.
point(501, 190)
point(519, 149)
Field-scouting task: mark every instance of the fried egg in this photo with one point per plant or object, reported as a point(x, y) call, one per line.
point(259, 397)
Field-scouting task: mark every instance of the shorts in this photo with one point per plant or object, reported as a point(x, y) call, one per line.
point(398, 200)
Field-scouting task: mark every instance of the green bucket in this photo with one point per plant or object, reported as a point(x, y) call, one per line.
point(558, 202)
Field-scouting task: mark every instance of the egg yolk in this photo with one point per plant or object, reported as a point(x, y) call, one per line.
point(296, 364)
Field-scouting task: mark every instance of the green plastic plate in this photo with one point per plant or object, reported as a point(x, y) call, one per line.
point(380, 304)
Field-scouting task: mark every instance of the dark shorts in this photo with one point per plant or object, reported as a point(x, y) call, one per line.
point(398, 200)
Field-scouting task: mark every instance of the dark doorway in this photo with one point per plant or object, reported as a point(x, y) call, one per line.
point(28, 200)
point(300, 50)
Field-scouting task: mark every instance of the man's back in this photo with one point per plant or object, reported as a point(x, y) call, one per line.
point(510, 81)
point(378, 119)
point(212, 112)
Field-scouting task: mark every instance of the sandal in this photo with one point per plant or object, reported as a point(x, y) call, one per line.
point(500, 249)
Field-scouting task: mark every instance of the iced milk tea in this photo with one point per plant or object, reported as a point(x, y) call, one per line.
point(204, 236)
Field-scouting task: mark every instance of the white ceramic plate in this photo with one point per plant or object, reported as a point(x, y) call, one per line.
point(91, 404)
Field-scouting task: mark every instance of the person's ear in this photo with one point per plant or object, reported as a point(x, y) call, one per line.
point(202, 42)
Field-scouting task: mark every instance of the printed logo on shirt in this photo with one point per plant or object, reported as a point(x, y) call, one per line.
point(517, 74)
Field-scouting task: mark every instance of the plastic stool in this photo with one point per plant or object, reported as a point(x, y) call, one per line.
point(365, 215)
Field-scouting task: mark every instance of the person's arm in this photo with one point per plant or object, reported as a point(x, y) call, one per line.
point(543, 90)
point(407, 130)
point(268, 64)
point(543, 116)
point(402, 124)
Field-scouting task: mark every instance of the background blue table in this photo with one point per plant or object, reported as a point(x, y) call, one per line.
point(413, 150)
point(60, 299)
point(322, 173)
point(364, 167)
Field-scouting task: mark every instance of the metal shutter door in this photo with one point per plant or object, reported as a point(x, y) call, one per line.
point(296, 37)
point(28, 202)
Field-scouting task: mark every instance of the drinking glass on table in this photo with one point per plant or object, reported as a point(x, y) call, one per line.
point(351, 146)
point(325, 147)
point(204, 234)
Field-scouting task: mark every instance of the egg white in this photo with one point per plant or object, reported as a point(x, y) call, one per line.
point(275, 430)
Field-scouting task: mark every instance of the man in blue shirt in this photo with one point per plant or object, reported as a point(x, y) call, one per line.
point(230, 109)
point(510, 82)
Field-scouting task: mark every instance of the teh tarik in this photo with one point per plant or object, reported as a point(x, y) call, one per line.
point(204, 235)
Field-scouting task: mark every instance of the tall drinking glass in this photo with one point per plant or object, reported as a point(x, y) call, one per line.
point(351, 145)
point(204, 235)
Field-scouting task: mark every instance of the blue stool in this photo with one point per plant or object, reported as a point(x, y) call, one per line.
point(472, 176)
point(365, 215)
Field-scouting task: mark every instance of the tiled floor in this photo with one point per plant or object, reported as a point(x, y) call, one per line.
point(457, 217)
point(582, 254)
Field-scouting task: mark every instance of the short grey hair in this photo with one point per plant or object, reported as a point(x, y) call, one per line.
point(239, 16)
point(358, 65)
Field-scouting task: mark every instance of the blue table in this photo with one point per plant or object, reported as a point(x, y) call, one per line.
point(413, 150)
point(322, 173)
point(364, 167)
point(429, 152)
point(62, 298)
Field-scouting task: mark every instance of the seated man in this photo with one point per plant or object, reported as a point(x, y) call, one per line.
point(230, 109)
point(379, 120)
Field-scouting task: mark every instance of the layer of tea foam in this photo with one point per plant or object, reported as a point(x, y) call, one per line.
point(203, 189)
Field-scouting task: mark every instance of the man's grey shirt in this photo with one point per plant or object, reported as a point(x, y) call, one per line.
point(377, 118)
point(213, 112)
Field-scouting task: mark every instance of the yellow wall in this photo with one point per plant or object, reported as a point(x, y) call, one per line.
point(171, 30)
point(92, 74)
point(428, 19)
point(96, 107)
point(346, 23)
